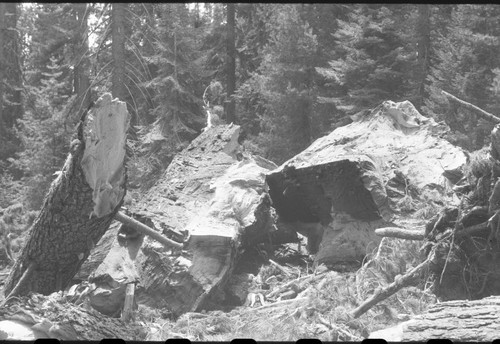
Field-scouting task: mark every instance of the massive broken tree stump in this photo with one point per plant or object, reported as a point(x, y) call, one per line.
point(214, 196)
point(81, 203)
point(347, 184)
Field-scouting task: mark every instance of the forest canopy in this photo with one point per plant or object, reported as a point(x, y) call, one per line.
point(286, 73)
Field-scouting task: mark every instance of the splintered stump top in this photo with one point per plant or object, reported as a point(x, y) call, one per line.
point(79, 206)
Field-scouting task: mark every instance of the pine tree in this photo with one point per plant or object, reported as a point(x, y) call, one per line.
point(10, 82)
point(465, 58)
point(284, 84)
point(374, 60)
point(44, 132)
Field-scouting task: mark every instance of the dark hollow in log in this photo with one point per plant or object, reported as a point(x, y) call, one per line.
point(75, 214)
point(308, 194)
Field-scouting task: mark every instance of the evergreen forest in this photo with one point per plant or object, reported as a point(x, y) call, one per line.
point(286, 73)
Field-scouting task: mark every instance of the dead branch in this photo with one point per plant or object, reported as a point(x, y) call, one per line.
point(478, 111)
point(281, 268)
point(143, 229)
point(303, 279)
point(270, 305)
point(392, 288)
point(401, 233)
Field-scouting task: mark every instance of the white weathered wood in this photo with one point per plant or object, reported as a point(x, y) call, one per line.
point(104, 156)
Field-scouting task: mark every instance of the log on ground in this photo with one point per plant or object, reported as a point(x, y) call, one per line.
point(459, 320)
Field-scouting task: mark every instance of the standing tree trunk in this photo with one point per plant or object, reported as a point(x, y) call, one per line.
point(81, 203)
point(10, 80)
point(82, 65)
point(118, 50)
point(2, 66)
point(231, 64)
point(424, 41)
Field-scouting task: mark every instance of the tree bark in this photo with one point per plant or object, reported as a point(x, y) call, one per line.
point(2, 59)
point(81, 203)
point(231, 63)
point(460, 320)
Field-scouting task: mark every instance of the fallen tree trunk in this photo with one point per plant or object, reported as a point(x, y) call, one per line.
point(460, 321)
point(80, 205)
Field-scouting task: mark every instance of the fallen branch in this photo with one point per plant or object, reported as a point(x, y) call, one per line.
point(269, 305)
point(480, 112)
point(143, 229)
point(401, 233)
point(338, 329)
point(392, 288)
point(287, 285)
point(281, 268)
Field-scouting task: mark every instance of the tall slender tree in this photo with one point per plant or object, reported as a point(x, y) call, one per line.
point(10, 81)
point(118, 50)
point(81, 68)
point(423, 30)
point(231, 63)
point(2, 68)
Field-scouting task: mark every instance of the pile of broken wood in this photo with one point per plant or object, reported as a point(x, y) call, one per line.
point(461, 245)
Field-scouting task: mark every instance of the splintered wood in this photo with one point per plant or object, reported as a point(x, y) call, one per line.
point(91, 182)
point(104, 157)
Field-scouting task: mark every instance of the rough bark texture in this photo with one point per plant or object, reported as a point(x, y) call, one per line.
point(64, 232)
point(55, 316)
point(458, 321)
point(2, 41)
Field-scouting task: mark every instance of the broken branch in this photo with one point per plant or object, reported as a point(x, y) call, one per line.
point(392, 288)
point(480, 112)
point(143, 229)
point(401, 233)
point(281, 268)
